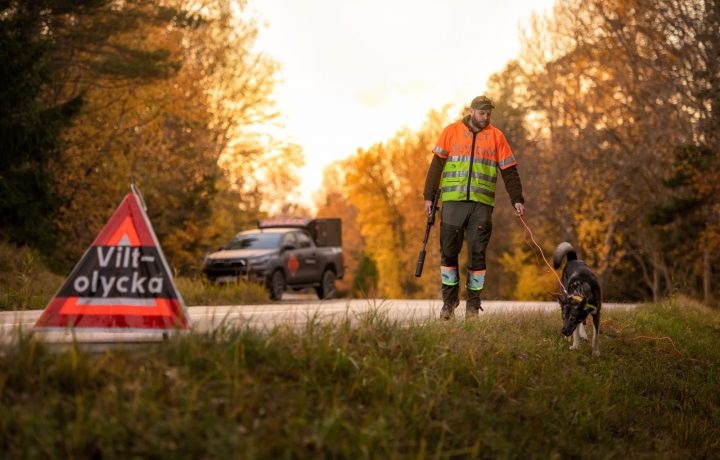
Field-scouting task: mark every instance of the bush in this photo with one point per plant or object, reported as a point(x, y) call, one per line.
point(25, 281)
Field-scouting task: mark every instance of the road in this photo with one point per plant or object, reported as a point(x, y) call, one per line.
point(295, 310)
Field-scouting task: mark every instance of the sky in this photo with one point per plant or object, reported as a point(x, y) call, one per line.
point(355, 72)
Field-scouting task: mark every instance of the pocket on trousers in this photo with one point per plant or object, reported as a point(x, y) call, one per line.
point(482, 236)
point(451, 239)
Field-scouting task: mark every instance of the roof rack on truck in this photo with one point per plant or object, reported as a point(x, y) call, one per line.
point(325, 231)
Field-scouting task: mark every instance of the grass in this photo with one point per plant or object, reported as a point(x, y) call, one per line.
point(499, 387)
point(198, 291)
point(26, 284)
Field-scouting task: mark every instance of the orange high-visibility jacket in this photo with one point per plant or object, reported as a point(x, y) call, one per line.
point(472, 176)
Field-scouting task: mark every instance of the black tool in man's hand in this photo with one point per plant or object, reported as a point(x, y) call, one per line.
point(430, 222)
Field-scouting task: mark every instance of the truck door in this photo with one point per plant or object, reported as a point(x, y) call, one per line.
point(309, 259)
point(290, 257)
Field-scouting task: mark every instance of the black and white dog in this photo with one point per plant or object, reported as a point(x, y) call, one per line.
point(582, 297)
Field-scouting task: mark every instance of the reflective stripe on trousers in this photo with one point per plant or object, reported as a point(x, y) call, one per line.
point(449, 275)
point(457, 217)
point(476, 279)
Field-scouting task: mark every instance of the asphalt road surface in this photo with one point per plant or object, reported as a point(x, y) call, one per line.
point(295, 311)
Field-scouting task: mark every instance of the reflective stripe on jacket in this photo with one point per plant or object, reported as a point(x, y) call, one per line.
point(467, 176)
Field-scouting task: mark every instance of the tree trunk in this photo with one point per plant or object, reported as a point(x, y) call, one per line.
point(707, 274)
point(656, 285)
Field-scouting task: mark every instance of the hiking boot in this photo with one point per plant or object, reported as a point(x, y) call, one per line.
point(450, 301)
point(471, 312)
point(473, 305)
point(448, 311)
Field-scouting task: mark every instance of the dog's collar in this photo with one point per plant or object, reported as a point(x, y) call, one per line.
point(588, 306)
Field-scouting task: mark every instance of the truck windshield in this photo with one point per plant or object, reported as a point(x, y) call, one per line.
point(255, 241)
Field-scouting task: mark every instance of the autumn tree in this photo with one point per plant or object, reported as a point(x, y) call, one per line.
point(186, 129)
point(332, 202)
point(680, 43)
point(384, 183)
point(30, 123)
point(618, 86)
point(514, 270)
point(684, 220)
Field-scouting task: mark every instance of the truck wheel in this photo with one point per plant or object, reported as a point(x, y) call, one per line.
point(326, 290)
point(277, 285)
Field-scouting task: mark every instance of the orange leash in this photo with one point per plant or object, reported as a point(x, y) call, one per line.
point(532, 237)
point(639, 337)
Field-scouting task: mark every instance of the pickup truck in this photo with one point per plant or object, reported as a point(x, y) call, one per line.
point(283, 253)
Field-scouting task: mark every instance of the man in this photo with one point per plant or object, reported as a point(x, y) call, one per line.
point(468, 156)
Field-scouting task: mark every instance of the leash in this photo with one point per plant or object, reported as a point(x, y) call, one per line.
point(608, 323)
point(675, 348)
point(532, 237)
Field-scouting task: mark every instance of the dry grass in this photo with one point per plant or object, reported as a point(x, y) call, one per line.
point(26, 284)
point(500, 387)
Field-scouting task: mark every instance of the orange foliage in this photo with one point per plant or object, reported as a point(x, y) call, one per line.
point(384, 183)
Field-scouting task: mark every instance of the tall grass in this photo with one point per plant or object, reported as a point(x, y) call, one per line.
point(26, 284)
point(198, 291)
point(501, 386)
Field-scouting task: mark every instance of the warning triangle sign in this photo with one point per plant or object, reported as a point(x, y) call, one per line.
point(121, 284)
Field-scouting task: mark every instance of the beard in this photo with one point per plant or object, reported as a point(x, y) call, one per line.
point(480, 125)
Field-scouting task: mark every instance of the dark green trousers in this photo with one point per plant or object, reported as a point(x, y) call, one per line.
point(458, 219)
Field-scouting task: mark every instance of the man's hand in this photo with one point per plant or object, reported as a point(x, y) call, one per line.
point(428, 207)
point(519, 209)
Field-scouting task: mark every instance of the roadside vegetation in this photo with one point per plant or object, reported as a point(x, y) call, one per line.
point(27, 284)
point(501, 386)
point(199, 291)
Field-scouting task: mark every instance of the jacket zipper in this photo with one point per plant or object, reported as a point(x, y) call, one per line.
point(472, 157)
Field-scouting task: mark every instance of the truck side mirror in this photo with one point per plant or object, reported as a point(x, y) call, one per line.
point(288, 247)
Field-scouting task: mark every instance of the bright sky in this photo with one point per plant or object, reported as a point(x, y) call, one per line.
point(354, 72)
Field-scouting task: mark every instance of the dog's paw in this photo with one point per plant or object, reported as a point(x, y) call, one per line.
point(574, 347)
point(596, 353)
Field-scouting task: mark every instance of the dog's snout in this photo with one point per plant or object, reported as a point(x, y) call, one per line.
point(568, 328)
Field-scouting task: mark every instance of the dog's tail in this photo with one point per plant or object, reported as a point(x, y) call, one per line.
point(563, 249)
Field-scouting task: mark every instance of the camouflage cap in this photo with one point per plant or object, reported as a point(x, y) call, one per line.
point(482, 103)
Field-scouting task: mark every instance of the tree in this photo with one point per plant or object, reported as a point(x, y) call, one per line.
point(684, 220)
point(508, 276)
point(334, 203)
point(29, 124)
point(382, 182)
point(187, 129)
point(619, 85)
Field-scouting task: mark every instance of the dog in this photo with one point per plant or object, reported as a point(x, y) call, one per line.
point(582, 297)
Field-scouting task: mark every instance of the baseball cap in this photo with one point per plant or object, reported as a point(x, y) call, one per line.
point(482, 103)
